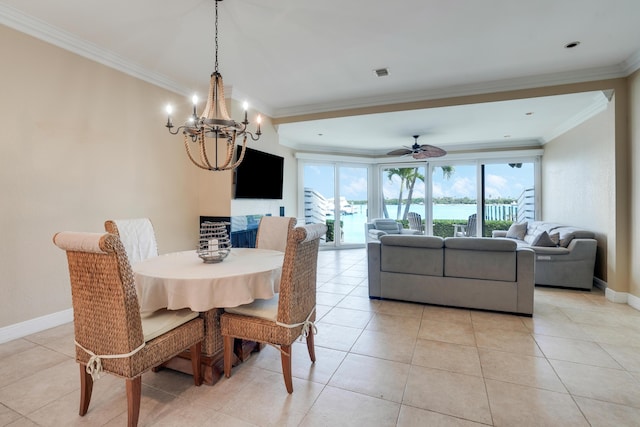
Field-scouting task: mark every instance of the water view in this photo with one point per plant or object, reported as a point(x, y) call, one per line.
point(353, 225)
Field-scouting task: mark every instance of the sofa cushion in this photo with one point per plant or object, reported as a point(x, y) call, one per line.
point(420, 255)
point(480, 243)
point(480, 258)
point(483, 265)
point(517, 231)
point(543, 239)
point(415, 241)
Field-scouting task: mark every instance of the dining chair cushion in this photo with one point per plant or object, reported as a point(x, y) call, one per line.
point(162, 321)
point(261, 308)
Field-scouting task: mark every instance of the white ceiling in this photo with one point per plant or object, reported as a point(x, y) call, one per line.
point(293, 57)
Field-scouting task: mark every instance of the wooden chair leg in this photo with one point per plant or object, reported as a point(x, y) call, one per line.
point(86, 387)
point(134, 390)
point(311, 347)
point(227, 341)
point(196, 365)
point(285, 358)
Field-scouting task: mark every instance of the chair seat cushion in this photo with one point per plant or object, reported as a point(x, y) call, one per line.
point(263, 308)
point(162, 321)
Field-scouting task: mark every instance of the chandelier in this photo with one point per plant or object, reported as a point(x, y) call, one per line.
point(214, 124)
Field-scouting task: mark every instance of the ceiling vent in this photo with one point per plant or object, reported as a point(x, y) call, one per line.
point(381, 72)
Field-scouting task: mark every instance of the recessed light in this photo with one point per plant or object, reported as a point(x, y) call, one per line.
point(529, 113)
point(507, 136)
point(571, 45)
point(381, 72)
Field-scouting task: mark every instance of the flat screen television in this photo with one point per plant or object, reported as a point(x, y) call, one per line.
point(259, 176)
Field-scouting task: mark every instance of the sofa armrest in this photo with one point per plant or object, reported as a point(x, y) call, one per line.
point(409, 231)
point(578, 249)
point(376, 234)
point(525, 277)
point(373, 264)
point(499, 233)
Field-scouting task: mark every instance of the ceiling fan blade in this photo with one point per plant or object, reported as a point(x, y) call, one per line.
point(399, 152)
point(432, 151)
point(419, 155)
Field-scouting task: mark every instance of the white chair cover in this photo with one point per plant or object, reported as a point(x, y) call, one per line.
point(138, 238)
point(273, 232)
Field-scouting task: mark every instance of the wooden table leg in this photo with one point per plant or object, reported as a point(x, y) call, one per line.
point(212, 366)
point(243, 348)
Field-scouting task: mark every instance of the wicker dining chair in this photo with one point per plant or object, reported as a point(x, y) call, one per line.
point(110, 333)
point(280, 320)
point(137, 237)
point(273, 232)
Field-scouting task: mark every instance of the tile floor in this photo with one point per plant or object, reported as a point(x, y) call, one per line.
point(576, 362)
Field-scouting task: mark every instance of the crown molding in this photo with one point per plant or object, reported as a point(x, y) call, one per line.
point(504, 85)
point(632, 63)
point(41, 30)
point(599, 104)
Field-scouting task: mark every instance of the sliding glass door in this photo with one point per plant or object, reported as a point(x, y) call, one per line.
point(454, 196)
point(336, 194)
point(509, 195)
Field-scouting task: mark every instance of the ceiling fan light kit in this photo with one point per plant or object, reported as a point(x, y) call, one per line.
point(417, 151)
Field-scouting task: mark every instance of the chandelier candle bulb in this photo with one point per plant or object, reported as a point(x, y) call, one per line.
point(245, 106)
point(195, 104)
point(169, 111)
point(259, 120)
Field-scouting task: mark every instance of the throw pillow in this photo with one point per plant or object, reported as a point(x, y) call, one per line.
point(555, 238)
point(544, 240)
point(517, 231)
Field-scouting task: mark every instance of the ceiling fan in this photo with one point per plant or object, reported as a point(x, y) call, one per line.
point(419, 151)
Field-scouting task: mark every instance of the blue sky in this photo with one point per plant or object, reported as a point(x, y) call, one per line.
point(501, 181)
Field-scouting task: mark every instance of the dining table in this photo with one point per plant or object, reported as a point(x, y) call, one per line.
point(180, 280)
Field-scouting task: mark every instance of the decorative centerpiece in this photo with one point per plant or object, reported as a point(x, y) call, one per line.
point(214, 242)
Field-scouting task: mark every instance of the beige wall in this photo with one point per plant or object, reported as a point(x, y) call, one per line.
point(81, 143)
point(578, 180)
point(634, 137)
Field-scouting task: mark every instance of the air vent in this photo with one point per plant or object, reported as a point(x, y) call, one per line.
point(381, 72)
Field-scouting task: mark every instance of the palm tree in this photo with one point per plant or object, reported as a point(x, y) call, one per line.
point(408, 178)
point(413, 175)
point(399, 172)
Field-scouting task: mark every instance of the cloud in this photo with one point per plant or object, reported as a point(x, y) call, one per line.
point(496, 181)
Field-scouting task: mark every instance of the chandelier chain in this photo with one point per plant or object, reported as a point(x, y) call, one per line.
point(216, 38)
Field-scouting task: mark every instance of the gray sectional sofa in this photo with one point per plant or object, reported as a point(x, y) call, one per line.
point(567, 259)
point(482, 273)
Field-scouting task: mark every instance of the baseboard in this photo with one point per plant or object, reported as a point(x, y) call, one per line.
point(600, 283)
point(615, 296)
point(634, 301)
point(28, 327)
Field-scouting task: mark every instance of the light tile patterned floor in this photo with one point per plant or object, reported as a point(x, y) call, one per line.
point(576, 362)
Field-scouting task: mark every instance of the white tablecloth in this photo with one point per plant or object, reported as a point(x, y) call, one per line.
point(181, 279)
